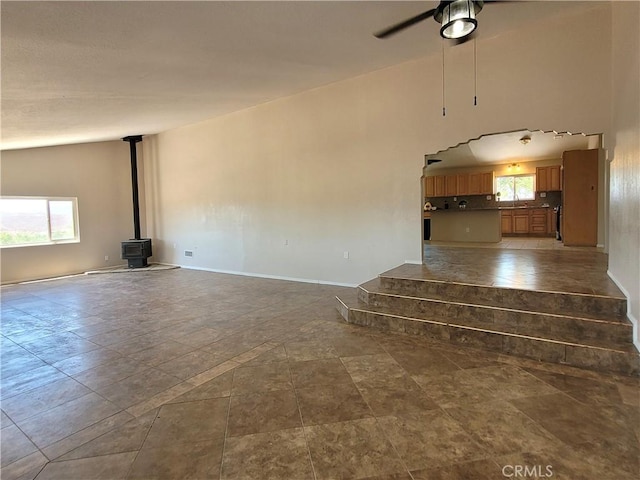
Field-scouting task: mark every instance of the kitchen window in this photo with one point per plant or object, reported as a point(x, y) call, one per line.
point(513, 188)
point(28, 221)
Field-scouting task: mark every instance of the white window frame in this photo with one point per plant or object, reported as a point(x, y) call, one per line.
point(76, 225)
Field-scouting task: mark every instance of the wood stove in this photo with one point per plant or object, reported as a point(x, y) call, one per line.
point(136, 250)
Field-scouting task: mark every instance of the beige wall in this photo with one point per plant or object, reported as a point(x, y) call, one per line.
point(624, 154)
point(285, 188)
point(99, 175)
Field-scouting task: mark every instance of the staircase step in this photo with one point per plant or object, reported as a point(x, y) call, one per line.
point(616, 359)
point(567, 328)
point(572, 304)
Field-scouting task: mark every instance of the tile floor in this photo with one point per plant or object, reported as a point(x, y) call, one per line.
point(521, 243)
point(184, 374)
point(573, 270)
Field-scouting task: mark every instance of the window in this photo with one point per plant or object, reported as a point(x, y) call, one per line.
point(38, 220)
point(516, 187)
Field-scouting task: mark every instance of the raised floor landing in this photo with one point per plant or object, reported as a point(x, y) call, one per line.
point(571, 271)
point(555, 306)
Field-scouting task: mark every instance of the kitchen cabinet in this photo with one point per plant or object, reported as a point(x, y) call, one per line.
point(528, 221)
point(463, 183)
point(486, 183)
point(439, 185)
point(506, 221)
point(548, 179)
point(451, 185)
point(475, 183)
point(429, 187)
point(555, 178)
point(481, 183)
point(538, 223)
point(521, 222)
point(460, 184)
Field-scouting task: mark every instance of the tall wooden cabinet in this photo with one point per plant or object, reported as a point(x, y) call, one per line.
point(580, 198)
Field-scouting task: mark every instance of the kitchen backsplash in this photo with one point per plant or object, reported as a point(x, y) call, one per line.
point(480, 201)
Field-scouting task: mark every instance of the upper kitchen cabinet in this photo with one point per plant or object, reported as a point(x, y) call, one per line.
point(460, 184)
point(481, 183)
point(463, 184)
point(429, 187)
point(440, 185)
point(451, 185)
point(548, 179)
point(487, 183)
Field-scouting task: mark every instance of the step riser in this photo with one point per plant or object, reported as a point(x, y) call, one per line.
point(569, 329)
point(545, 302)
point(577, 356)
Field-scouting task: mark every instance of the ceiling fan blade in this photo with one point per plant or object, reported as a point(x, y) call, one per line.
point(387, 32)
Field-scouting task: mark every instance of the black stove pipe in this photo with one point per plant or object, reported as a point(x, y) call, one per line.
point(133, 139)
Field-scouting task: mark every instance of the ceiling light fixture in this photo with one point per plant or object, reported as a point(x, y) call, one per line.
point(525, 140)
point(458, 18)
point(514, 165)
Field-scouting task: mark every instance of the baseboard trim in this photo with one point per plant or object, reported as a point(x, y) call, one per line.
point(270, 277)
point(634, 321)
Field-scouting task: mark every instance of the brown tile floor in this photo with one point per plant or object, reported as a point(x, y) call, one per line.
point(574, 270)
point(183, 374)
point(521, 243)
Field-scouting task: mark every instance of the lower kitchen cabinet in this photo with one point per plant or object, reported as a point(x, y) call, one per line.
point(534, 221)
point(521, 222)
point(506, 221)
point(538, 223)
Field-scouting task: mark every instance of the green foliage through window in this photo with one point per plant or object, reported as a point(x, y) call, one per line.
point(516, 187)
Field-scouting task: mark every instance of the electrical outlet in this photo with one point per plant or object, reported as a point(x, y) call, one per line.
point(188, 253)
point(455, 199)
point(346, 254)
point(488, 197)
point(106, 258)
point(286, 242)
point(468, 230)
point(543, 194)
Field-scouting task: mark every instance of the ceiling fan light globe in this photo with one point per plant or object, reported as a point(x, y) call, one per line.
point(458, 19)
point(458, 28)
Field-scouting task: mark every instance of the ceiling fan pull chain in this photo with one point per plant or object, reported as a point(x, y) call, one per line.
point(475, 72)
point(444, 111)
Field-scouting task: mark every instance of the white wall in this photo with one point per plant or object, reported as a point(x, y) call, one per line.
point(286, 188)
point(99, 175)
point(624, 209)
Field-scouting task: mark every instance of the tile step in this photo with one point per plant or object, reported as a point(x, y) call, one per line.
point(568, 328)
point(614, 359)
point(566, 303)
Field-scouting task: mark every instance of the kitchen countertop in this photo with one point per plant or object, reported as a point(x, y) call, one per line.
point(468, 209)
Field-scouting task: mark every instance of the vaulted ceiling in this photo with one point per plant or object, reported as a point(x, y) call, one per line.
point(90, 71)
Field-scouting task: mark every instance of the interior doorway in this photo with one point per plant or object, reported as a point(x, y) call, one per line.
point(516, 179)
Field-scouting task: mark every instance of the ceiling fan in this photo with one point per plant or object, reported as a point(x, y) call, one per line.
point(457, 19)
